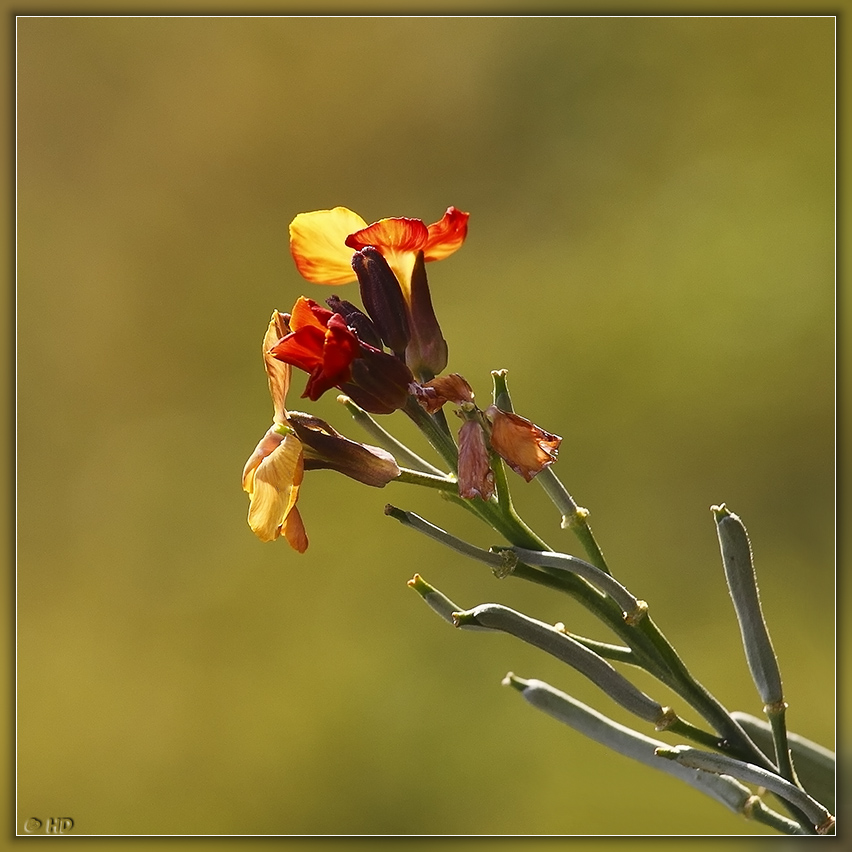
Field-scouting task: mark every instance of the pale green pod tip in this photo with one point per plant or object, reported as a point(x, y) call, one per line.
point(514, 681)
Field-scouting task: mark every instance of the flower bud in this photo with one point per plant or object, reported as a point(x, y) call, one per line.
point(427, 352)
point(383, 299)
point(357, 320)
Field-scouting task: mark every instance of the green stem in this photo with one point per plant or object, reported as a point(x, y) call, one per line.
point(385, 440)
point(734, 740)
point(777, 715)
point(574, 517)
point(760, 812)
point(410, 519)
point(616, 653)
point(685, 729)
point(416, 477)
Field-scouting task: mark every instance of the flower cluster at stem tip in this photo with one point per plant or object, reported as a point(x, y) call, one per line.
point(385, 357)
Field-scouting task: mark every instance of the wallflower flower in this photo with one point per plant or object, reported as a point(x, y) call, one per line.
point(320, 343)
point(336, 246)
point(324, 345)
point(294, 443)
point(322, 243)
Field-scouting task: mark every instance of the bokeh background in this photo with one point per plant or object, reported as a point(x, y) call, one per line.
point(650, 256)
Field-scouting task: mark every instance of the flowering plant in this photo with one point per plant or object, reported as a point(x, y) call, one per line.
point(390, 356)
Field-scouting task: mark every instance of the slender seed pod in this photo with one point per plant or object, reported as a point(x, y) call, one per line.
point(564, 648)
point(589, 722)
point(721, 764)
point(633, 609)
point(742, 584)
point(816, 766)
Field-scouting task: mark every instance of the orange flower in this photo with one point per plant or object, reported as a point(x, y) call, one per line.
point(324, 345)
point(323, 242)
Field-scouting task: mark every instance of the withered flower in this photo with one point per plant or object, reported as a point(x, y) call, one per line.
point(476, 479)
point(525, 447)
point(450, 388)
point(326, 448)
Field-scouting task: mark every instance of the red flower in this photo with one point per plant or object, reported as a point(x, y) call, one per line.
point(321, 344)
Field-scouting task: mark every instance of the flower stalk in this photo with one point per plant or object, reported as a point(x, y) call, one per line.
point(391, 356)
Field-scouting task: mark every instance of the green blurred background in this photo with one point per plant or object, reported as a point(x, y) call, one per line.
point(651, 257)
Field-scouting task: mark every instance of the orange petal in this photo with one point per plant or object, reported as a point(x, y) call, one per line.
point(294, 531)
point(306, 312)
point(399, 241)
point(393, 235)
point(318, 244)
point(447, 235)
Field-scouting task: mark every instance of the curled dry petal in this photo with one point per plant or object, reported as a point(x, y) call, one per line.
point(525, 447)
point(476, 478)
point(450, 388)
point(272, 477)
point(325, 448)
point(277, 372)
point(318, 244)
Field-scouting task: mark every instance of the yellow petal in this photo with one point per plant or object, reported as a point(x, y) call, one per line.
point(274, 488)
point(317, 243)
point(277, 372)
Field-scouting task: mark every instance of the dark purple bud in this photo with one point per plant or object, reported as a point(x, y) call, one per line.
point(357, 320)
point(380, 382)
point(383, 299)
point(426, 354)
